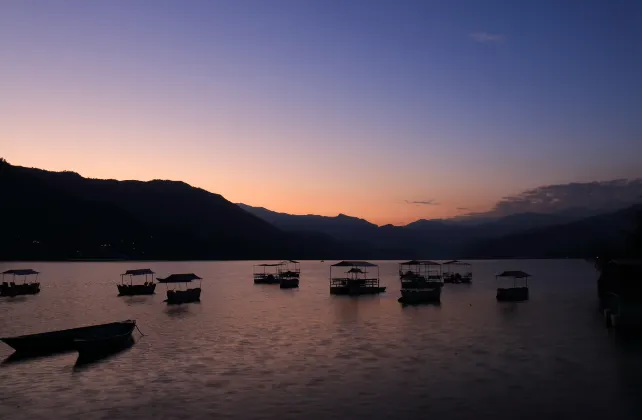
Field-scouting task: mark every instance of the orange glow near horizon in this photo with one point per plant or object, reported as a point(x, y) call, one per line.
point(366, 204)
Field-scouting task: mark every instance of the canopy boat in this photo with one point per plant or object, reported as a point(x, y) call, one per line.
point(356, 280)
point(457, 272)
point(131, 289)
point(289, 272)
point(620, 293)
point(267, 273)
point(186, 295)
point(514, 293)
point(12, 288)
point(420, 281)
point(65, 340)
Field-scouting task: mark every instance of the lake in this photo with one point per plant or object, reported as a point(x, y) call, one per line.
point(255, 351)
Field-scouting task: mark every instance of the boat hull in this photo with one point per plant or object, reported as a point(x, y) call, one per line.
point(267, 280)
point(356, 291)
point(103, 345)
point(11, 290)
point(63, 340)
point(176, 297)
point(420, 284)
point(411, 296)
point(289, 283)
point(512, 294)
point(136, 289)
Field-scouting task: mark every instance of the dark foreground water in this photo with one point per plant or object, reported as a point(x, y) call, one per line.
point(251, 352)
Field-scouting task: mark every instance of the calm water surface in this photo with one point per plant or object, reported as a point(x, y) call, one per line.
point(253, 352)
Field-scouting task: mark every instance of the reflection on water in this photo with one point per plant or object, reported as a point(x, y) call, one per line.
point(19, 357)
point(86, 360)
point(252, 352)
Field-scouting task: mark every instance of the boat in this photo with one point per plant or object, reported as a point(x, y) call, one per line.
point(421, 281)
point(65, 340)
point(177, 295)
point(289, 272)
point(267, 273)
point(131, 289)
point(101, 343)
point(456, 271)
point(356, 280)
point(12, 288)
point(620, 294)
point(515, 293)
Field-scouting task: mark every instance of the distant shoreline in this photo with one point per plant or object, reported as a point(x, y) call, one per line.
point(81, 260)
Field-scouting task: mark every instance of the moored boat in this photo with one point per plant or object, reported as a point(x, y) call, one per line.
point(289, 273)
point(456, 271)
point(266, 273)
point(131, 289)
point(97, 344)
point(11, 288)
point(421, 281)
point(356, 280)
point(515, 293)
point(64, 340)
point(177, 295)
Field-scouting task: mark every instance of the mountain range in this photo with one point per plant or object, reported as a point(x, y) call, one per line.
point(575, 232)
point(62, 215)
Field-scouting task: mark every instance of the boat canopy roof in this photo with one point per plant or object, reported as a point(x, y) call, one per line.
point(22, 272)
point(355, 270)
point(517, 274)
point(354, 264)
point(179, 278)
point(456, 262)
point(138, 272)
point(419, 262)
point(269, 265)
point(289, 261)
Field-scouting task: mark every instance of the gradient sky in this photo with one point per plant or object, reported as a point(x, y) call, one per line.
point(323, 107)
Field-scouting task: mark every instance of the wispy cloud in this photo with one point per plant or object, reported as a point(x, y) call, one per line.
point(485, 37)
point(463, 208)
point(431, 202)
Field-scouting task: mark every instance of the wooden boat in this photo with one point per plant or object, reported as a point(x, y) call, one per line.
point(64, 340)
point(131, 289)
point(514, 293)
point(267, 273)
point(103, 343)
point(289, 272)
point(620, 294)
point(355, 281)
point(178, 295)
point(12, 288)
point(421, 281)
point(457, 272)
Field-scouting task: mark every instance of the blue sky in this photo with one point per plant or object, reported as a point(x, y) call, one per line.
point(327, 106)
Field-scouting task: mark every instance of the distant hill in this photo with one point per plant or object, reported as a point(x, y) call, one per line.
point(523, 234)
point(59, 215)
point(357, 235)
point(589, 237)
point(62, 215)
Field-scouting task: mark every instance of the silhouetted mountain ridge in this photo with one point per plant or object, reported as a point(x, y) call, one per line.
point(460, 238)
point(60, 215)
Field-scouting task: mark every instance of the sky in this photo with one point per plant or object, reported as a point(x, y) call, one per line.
point(386, 110)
